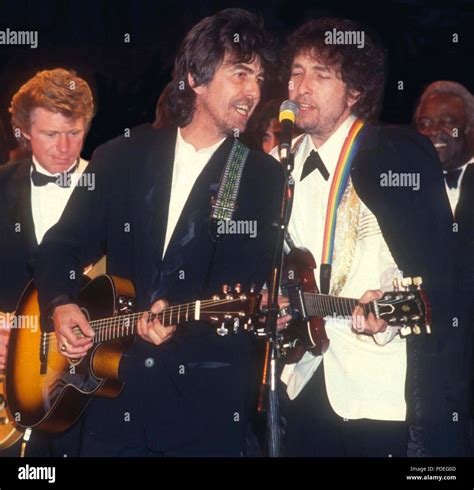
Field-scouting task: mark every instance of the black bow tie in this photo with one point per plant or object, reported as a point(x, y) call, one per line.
point(452, 177)
point(62, 179)
point(314, 162)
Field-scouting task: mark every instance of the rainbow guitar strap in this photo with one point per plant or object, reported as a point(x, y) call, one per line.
point(338, 186)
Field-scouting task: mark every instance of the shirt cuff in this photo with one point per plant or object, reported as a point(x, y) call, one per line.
point(383, 338)
point(64, 299)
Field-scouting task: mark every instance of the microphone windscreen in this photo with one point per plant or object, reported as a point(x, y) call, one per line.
point(288, 111)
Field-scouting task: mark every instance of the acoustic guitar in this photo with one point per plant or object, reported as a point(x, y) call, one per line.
point(9, 435)
point(49, 392)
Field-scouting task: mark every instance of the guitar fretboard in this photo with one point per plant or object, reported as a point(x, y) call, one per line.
point(323, 305)
point(121, 326)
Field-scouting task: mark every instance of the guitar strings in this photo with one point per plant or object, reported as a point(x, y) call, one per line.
point(107, 323)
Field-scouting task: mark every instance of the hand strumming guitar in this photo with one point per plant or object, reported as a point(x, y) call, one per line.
point(65, 319)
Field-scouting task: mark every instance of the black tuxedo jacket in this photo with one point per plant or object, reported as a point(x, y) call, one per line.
point(17, 233)
point(417, 226)
point(126, 217)
point(464, 290)
point(17, 246)
point(464, 217)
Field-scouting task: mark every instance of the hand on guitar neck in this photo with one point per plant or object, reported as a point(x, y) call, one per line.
point(154, 332)
point(360, 323)
point(67, 317)
point(368, 324)
point(406, 308)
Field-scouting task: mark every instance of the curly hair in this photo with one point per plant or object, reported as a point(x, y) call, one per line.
point(362, 69)
point(57, 90)
point(232, 31)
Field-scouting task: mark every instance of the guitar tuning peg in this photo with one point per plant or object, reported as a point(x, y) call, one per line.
point(407, 282)
point(222, 330)
point(396, 284)
point(417, 281)
point(252, 288)
point(238, 288)
point(416, 329)
point(428, 329)
point(405, 330)
point(226, 288)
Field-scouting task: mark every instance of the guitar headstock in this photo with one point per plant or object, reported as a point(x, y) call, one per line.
point(232, 309)
point(407, 306)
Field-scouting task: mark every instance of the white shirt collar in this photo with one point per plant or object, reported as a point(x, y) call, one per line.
point(183, 145)
point(330, 149)
point(461, 175)
point(462, 167)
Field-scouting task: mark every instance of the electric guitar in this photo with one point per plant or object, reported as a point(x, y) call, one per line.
point(49, 392)
point(406, 307)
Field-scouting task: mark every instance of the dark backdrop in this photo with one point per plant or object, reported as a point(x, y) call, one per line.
point(128, 78)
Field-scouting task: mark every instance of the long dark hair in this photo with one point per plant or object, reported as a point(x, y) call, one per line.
point(236, 32)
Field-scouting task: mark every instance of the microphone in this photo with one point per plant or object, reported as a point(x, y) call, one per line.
point(288, 112)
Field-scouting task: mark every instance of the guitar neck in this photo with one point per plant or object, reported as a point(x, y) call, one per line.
point(323, 305)
point(122, 326)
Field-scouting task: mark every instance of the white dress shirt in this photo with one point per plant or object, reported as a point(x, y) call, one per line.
point(365, 375)
point(455, 193)
point(188, 165)
point(48, 201)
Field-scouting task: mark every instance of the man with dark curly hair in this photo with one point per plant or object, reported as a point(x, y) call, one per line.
point(373, 393)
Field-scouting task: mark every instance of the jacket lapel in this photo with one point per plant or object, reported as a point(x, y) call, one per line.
point(18, 197)
point(465, 192)
point(154, 185)
point(198, 204)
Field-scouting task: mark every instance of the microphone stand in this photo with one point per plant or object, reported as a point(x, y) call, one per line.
point(269, 387)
